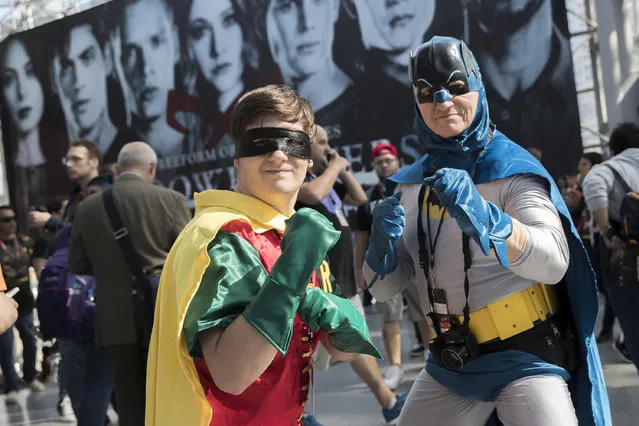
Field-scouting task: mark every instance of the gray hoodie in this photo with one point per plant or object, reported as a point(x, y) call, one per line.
point(600, 188)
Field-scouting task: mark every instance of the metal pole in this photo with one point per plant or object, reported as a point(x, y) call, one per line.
point(596, 69)
point(13, 14)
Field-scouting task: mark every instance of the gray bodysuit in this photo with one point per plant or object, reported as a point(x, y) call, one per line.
point(544, 259)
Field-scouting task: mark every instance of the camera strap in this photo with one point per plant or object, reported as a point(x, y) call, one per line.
point(427, 259)
point(427, 256)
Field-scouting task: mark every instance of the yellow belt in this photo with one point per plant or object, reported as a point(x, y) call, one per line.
point(513, 314)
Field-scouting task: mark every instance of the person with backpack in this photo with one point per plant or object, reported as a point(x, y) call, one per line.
point(150, 218)
point(82, 163)
point(605, 188)
point(589, 233)
point(66, 308)
point(15, 259)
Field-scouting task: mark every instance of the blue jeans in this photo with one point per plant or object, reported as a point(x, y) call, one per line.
point(7, 362)
point(89, 381)
point(624, 300)
point(27, 332)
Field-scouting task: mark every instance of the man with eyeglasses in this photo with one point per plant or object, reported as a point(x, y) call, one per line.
point(82, 162)
point(15, 259)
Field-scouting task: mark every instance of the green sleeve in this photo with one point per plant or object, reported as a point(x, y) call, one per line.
point(337, 289)
point(230, 282)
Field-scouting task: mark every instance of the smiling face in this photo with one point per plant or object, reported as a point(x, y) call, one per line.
point(21, 88)
point(147, 57)
point(450, 118)
point(305, 32)
point(81, 71)
point(216, 41)
point(400, 22)
point(274, 178)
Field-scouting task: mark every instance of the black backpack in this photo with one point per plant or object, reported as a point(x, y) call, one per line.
point(629, 212)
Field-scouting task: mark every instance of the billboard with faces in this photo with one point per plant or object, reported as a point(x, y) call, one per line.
point(169, 72)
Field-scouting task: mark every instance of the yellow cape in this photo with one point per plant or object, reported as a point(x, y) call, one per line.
point(174, 395)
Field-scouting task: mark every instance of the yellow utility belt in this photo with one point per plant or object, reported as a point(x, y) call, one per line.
point(513, 314)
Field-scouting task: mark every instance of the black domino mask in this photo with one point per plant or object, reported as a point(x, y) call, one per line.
point(264, 140)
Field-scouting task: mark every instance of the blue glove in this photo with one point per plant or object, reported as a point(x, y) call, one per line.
point(477, 218)
point(388, 225)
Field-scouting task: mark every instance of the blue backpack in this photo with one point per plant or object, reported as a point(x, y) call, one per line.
point(66, 307)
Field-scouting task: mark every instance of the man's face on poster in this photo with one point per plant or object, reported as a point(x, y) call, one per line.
point(148, 55)
point(81, 72)
point(492, 13)
point(399, 22)
point(306, 30)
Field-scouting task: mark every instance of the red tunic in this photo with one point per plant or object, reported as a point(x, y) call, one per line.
point(278, 396)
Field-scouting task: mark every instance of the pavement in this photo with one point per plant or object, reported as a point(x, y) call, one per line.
point(340, 399)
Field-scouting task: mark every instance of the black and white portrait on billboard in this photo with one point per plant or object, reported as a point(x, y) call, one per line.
point(526, 63)
point(389, 30)
point(30, 122)
point(23, 98)
point(169, 72)
point(220, 62)
point(146, 49)
point(81, 65)
point(300, 36)
point(303, 41)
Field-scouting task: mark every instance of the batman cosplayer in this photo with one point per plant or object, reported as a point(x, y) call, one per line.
point(481, 228)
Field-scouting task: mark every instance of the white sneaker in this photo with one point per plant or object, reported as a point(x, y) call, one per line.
point(36, 386)
point(65, 409)
point(393, 376)
point(11, 398)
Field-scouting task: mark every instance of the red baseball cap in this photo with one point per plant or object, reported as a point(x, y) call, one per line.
point(384, 149)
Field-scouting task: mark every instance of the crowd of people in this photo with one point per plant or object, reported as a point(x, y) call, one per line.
point(220, 317)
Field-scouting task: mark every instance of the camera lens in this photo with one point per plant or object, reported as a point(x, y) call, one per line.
point(454, 357)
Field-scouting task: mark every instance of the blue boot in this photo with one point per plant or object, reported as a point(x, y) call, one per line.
point(309, 420)
point(392, 414)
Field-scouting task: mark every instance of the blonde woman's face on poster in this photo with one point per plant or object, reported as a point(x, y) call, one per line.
point(306, 33)
point(215, 38)
point(400, 22)
point(21, 88)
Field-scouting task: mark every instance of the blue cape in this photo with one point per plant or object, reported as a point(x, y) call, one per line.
point(484, 378)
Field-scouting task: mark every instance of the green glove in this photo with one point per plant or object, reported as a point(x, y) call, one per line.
point(307, 238)
point(346, 328)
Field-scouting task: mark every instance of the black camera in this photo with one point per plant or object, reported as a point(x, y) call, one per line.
point(454, 348)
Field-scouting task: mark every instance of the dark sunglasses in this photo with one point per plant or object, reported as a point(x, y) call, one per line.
point(7, 219)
